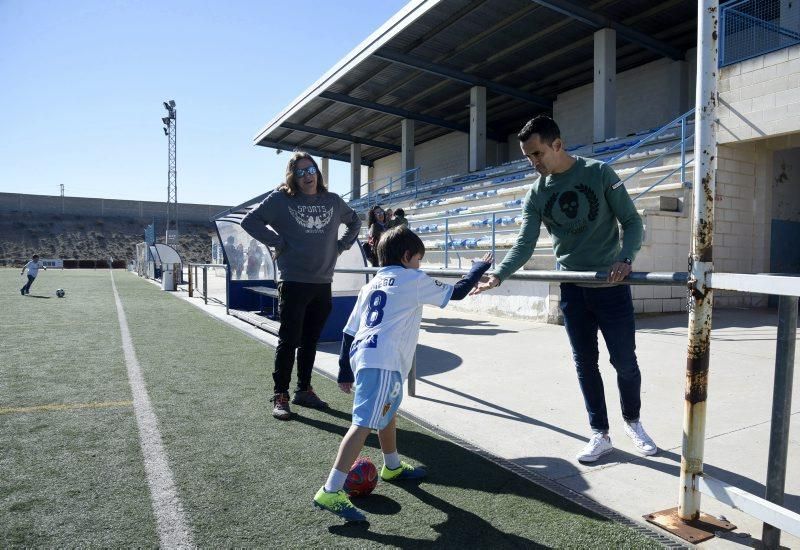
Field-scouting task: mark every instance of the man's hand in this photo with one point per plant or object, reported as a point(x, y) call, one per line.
point(618, 271)
point(345, 386)
point(491, 282)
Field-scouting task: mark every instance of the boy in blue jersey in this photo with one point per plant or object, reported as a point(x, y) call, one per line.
point(379, 342)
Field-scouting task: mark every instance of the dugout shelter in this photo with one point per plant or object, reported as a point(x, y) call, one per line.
point(251, 280)
point(152, 259)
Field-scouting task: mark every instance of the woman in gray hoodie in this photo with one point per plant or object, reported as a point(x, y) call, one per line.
point(300, 222)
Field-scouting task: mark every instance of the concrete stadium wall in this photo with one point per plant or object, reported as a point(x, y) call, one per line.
point(647, 97)
point(81, 206)
point(760, 97)
point(446, 155)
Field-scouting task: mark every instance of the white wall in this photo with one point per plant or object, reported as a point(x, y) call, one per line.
point(446, 155)
point(647, 97)
point(760, 97)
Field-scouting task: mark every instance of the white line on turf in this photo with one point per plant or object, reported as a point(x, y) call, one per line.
point(173, 528)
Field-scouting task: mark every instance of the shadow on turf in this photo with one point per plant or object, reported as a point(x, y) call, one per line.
point(37, 296)
point(558, 468)
point(449, 466)
point(462, 529)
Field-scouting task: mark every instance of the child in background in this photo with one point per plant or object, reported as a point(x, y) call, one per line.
point(378, 347)
point(33, 268)
point(399, 218)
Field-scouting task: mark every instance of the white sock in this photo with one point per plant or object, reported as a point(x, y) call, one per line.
point(392, 460)
point(335, 481)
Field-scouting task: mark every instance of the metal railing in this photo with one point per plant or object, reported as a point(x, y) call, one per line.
point(394, 182)
point(444, 185)
point(582, 277)
point(682, 122)
point(195, 281)
point(755, 27)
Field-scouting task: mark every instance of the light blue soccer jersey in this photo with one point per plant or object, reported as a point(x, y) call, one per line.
point(385, 320)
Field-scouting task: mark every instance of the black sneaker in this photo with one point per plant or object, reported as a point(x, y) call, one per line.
point(280, 408)
point(309, 399)
point(22, 291)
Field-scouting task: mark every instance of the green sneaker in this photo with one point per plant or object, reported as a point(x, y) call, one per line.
point(405, 471)
point(339, 504)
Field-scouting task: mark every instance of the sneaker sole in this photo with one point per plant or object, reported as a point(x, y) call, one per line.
point(282, 417)
point(646, 453)
point(594, 458)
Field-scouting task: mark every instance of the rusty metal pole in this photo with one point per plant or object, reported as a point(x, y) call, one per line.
point(191, 289)
point(700, 260)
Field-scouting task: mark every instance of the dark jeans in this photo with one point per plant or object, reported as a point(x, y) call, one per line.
point(27, 287)
point(611, 310)
point(304, 309)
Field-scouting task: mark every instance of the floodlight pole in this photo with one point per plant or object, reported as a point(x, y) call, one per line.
point(700, 261)
point(170, 130)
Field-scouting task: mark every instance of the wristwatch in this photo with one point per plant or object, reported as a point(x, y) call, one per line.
point(627, 261)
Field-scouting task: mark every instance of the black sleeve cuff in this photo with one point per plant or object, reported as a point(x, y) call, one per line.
point(345, 371)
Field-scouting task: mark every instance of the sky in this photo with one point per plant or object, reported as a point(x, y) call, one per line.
point(82, 85)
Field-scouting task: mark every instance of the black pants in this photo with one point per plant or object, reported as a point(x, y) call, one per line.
point(304, 309)
point(27, 287)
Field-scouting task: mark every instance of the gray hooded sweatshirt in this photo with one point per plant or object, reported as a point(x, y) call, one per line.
point(304, 231)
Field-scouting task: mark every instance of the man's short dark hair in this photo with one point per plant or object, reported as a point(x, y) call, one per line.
point(543, 125)
point(400, 212)
point(395, 243)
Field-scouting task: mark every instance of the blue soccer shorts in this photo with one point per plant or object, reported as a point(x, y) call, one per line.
point(378, 394)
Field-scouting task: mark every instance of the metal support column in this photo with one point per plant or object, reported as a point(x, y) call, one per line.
point(700, 262)
point(205, 285)
point(355, 171)
point(781, 413)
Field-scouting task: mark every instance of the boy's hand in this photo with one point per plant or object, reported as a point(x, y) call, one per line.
point(345, 386)
point(487, 258)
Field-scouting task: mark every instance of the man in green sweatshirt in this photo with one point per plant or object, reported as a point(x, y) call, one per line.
point(581, 201)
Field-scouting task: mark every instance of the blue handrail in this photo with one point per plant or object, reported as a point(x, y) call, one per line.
point(407, 179)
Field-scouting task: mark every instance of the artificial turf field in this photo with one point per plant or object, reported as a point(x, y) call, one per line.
point(72, 471)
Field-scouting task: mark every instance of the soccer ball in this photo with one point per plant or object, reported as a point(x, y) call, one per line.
point(362, 478)
point(60, 293)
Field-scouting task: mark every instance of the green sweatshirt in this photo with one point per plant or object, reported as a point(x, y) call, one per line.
point(580, 209)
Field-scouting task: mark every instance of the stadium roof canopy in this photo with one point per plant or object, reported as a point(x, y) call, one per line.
point(423, 61)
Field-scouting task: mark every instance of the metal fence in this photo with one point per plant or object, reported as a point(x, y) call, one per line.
point(754, 27)
point(209, 281)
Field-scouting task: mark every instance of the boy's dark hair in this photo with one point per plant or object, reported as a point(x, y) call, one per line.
point(35, 256)
point(543, 125)
point(400, 212)
point(395, 243)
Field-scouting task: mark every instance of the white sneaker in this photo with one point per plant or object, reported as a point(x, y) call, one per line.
point(599, 445)
point(643, 442)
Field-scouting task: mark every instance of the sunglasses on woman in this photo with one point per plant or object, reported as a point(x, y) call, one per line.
point(300, 172)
